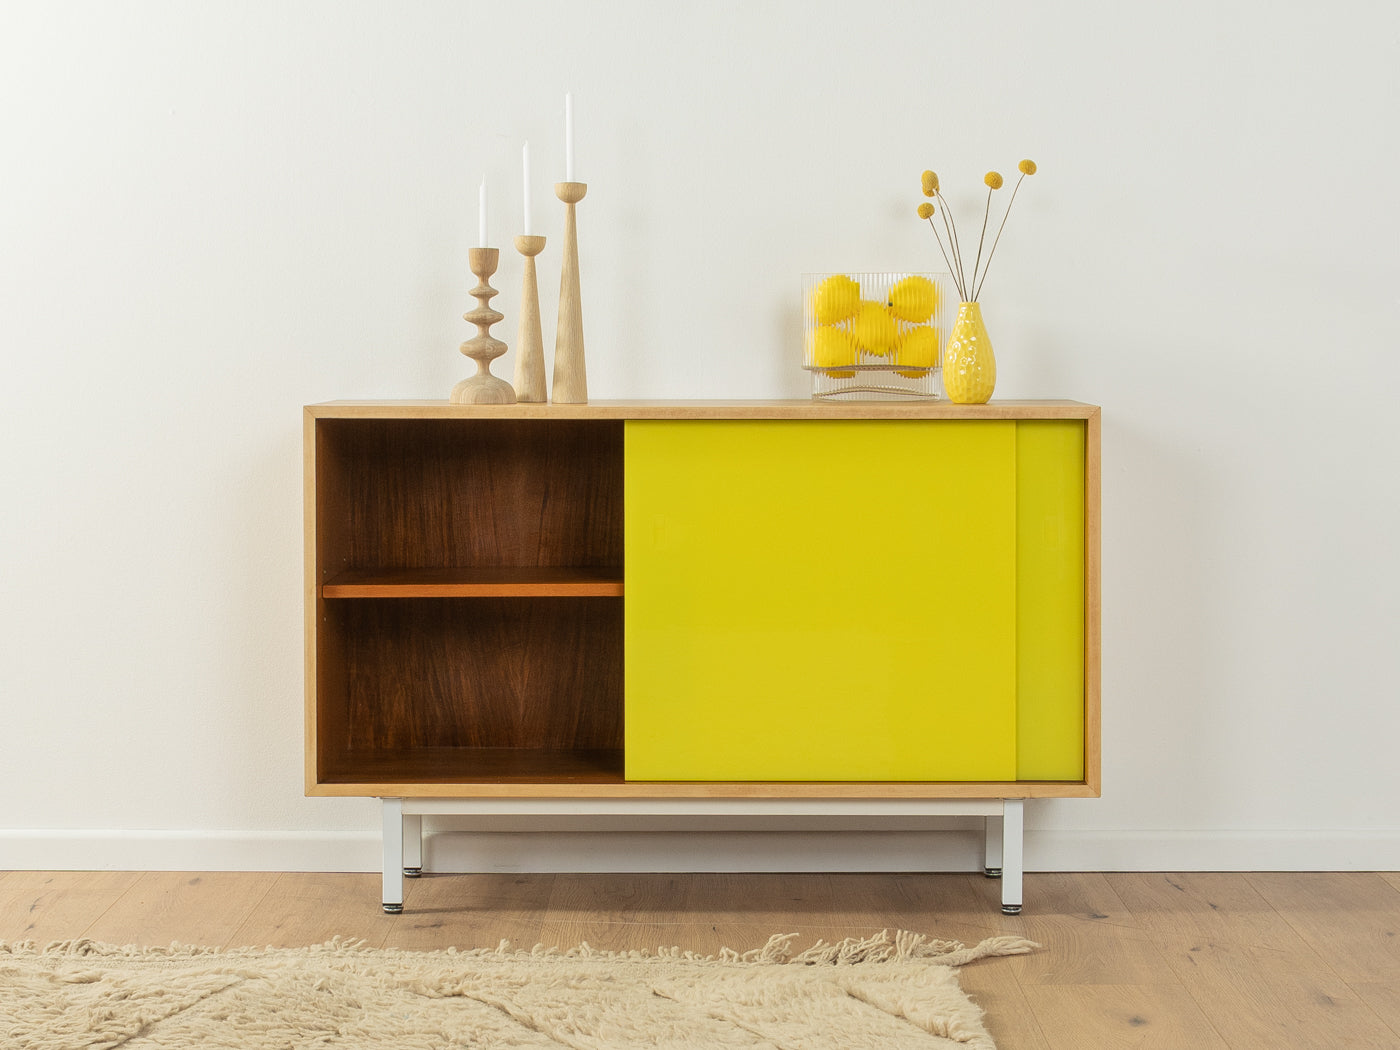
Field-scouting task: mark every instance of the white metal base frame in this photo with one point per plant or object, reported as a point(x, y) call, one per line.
point(403, 825)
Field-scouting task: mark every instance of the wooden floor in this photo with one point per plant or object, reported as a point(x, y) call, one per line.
point(1183, 962)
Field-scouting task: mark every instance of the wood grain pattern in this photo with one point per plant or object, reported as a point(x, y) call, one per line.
point(300, 908)
point(465, 772)
point(527, 582)
point(570, 384)
point(698, 409)
point(529, 342)
point(44, 906)
point(204, 908)
point(489, 673)
point(464, 493)
point(477, 909)
point(604, 787)
point(1351, 920)
point(461, 506)
point(1141, 1017)
point(1247, 989)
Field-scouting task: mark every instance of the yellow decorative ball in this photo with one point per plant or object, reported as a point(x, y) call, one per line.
point(918, 348)
point(928, 182)
point(926, 210)
point(993, 180)
point(874, 328)
point(832, 348)
point(914, 299)
point(1027, 167)
point(836, 299)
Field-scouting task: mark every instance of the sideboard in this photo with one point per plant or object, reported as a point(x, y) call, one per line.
point(748, 607)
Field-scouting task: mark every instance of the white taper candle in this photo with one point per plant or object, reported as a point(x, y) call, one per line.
point(525, 163)
point(569, 136)
point(481, 216)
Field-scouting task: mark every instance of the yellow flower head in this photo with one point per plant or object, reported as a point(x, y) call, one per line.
point(993, 180)
point(1027, 167)
point(926, 210)
point(929, 181)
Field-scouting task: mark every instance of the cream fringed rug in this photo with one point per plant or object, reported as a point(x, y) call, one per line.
point(885, 992)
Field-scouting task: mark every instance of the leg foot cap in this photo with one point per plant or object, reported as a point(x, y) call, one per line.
point(393, 909)
point(992, 873)
point(1011, 909)
point(412, 873)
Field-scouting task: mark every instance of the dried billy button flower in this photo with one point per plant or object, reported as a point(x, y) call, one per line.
point(969, 290)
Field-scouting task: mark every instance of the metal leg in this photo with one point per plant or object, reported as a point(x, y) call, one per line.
point(992, 867)
point(1013, 857)
point(413, 846)
point(393, 855)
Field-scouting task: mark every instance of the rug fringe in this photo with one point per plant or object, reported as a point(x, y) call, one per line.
point(902, 946)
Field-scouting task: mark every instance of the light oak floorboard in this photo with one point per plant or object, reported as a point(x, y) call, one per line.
point(1207, 906)
point(1109, 1016)
point(468, 911)
point(44, 906)
point(1392, 877)
point(1098, 941)
point(949, 906)
point(1351, 919)
point(302, 908)
point(202, 908)
point(1248, 962)
point(1257, 980)
point(1383, 996)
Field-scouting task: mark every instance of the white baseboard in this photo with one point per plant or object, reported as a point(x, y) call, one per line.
point(955, 848)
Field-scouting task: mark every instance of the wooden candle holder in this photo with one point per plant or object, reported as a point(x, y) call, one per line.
point(483, 388)
point(570, 381)
point(529, 360)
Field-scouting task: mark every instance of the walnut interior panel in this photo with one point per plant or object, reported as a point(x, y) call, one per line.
point(539, 673)
point(460, 493)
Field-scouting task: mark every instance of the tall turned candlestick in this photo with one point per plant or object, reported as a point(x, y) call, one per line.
point(529, 360)
point(483, 388)
point(570, 382)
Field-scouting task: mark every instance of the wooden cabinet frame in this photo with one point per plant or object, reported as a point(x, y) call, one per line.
point(417, 510)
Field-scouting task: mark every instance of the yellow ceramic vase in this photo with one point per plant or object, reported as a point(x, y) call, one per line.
point(969, 369)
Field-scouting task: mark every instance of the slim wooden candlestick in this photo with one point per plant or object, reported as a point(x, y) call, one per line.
point(570, 381)
point(483, 388)
point(529, 359)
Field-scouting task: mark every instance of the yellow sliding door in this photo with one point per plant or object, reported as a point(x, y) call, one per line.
point(821, 600)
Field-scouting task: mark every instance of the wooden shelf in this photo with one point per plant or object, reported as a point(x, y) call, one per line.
point(512, 582)
point(480, 765)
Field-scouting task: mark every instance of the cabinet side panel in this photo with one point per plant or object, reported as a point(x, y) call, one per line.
point(1050, 599)
point(327, 546)
point(820, 600)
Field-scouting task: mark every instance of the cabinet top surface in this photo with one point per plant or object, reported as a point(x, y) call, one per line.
point(791, 409)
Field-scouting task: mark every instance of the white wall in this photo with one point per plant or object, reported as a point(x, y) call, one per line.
point(211, 214)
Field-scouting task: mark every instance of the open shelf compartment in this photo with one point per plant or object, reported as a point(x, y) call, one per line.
point(468, 586)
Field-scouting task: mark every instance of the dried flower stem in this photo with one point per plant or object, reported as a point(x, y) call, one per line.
point(982, 240)
point(952, 227)
point(940, 246)
point(978, 290)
